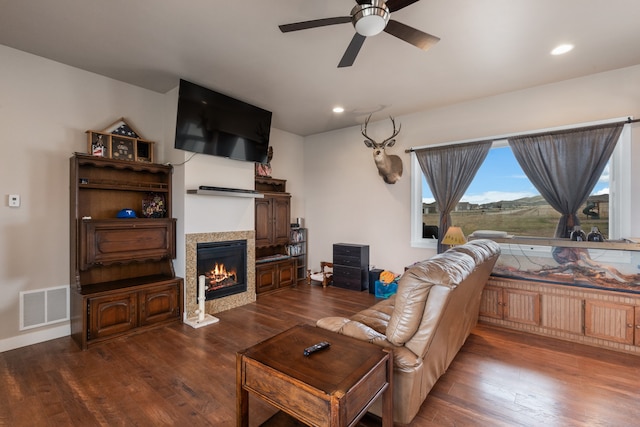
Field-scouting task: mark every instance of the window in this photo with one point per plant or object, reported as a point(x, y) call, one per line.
point(501, 197)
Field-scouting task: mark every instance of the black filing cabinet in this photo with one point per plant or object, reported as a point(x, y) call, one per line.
point(351, 266)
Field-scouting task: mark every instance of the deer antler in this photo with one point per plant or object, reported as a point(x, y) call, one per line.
point(364, 131)
point(386, 141)
point(395, 132)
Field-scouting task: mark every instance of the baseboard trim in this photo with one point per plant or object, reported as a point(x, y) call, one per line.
point(34, 337)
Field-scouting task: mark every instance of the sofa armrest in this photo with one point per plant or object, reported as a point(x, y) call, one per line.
point(404, 359)
point(353, 329)
point(333, 324)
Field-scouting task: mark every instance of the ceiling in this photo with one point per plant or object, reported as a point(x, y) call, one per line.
point(487, 47)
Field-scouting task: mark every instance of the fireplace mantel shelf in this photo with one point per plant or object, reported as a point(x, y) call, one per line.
point(225, 192)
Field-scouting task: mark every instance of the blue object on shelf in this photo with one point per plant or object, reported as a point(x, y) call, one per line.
point(384, 290)
point(126, 213)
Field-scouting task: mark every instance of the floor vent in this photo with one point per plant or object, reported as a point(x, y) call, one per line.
point(44, 307)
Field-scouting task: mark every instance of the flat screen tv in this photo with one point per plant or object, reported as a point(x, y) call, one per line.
point(209, 122)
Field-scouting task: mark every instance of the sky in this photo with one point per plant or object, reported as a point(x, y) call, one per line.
point(501, 178)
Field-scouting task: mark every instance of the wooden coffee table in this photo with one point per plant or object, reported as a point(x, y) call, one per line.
point(333, 387)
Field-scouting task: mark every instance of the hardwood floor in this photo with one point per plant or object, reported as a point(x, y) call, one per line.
point(177, 375)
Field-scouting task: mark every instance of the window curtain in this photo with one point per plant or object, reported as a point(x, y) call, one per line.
point(449, 171)
point(565, 166)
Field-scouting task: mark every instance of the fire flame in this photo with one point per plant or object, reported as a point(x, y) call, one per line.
point(219, 277)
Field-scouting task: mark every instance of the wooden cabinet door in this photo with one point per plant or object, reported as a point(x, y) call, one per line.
point(159, 304)
point(112, 314)
point(521, 306)
point(637, 327)
point(110, 241)
point(609, 321)
point(264, 221)
point(491, 302)
point(513, 305)
point(562, 313)
point(286, 274)
point(281, 220)
point(265, 278)
point(273, 220)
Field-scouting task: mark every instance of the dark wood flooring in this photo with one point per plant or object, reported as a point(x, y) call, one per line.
point(181, 376)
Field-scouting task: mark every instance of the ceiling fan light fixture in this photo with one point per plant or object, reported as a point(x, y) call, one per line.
point(371, 18)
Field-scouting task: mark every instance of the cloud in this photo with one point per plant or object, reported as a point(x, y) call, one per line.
point(605, 175)
point(489, 197)
point(496, 196)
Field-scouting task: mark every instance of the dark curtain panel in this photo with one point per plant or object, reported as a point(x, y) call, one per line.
point(565, 166)
point(449, 171)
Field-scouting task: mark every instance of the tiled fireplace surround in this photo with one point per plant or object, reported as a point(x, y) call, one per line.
point(191, 281)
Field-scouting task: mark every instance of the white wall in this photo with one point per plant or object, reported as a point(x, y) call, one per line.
point(45, 109)
point(348, 202)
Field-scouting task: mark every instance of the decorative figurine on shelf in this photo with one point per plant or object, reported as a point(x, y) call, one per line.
point(153, 206)
point(595, 235)
point(264, 169)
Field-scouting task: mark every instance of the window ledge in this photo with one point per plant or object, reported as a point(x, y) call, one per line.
point(626, 245)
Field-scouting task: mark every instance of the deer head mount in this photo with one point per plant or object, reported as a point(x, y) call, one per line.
point(389, 165)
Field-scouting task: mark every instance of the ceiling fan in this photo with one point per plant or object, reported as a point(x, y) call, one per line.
point(370, 17)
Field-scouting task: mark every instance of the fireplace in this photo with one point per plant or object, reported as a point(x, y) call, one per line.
point(213, 306)
point(224, 267)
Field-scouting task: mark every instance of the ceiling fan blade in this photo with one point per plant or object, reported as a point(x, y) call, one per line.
point(305, 25)
point(394, 5)
point(416, 37)
point(352, 51)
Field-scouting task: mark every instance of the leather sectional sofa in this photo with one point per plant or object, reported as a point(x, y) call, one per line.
point(426, 322)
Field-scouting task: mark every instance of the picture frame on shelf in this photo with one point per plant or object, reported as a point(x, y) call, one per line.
point(120, 141)
point(123, 148)
point(99, 144)
point(144, 151)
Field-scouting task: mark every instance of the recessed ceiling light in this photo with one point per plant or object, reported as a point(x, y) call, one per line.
point(338, 109)
point(562, 49)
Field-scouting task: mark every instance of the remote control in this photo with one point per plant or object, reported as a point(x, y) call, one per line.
point(316, 347)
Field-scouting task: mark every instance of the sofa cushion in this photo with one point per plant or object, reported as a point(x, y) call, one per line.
point(447, 269)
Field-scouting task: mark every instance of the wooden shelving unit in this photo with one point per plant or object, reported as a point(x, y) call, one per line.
point(275, 269)
point(121, 268)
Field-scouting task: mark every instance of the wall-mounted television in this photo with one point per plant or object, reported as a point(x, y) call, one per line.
point(211, 123)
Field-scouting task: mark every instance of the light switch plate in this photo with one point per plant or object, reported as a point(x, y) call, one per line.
point(14, 200)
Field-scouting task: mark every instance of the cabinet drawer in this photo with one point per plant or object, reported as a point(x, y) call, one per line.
point(347, 277)
point(353, 284)
point(106, 242)
point(348, 261)
point(347, 272)
point(348, 250)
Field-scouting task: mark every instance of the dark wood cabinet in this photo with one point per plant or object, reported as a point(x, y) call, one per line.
point(275, 275)
point(273, 219)
point(108, 241)
point(351, 266)
point(121, 267)
point(275, 268)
